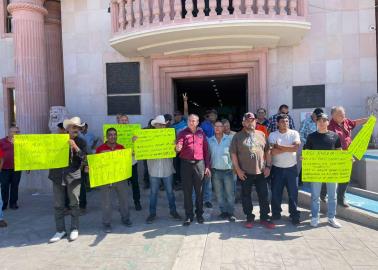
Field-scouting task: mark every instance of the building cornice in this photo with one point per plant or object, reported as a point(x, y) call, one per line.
point(26, 6)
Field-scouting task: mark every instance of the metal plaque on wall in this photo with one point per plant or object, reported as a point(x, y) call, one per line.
point(308, 96)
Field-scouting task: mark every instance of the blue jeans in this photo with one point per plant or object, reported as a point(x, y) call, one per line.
point(223, 181)
point(315, 201)
point(154, 192)
point(1, 208)
point(206, 189)
point(285, 177)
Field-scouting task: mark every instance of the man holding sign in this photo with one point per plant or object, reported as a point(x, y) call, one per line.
point(323, 139)
point(343, 127)
point(70, 178)
point(120, 187)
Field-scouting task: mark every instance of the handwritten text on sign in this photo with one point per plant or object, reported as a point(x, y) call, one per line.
point(124, 133)
point(41, 151)
point(155, 143)
point(360, 143)
point(327, 166)
point(109, 167)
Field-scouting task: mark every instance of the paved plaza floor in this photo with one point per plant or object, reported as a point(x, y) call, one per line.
point(166, 244)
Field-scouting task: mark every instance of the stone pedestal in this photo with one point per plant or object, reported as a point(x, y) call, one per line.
point(32, 110)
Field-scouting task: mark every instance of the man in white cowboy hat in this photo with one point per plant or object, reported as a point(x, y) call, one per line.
point(69, 177)
point(161, 170)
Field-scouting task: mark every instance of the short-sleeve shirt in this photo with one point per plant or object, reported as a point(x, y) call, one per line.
point(344, 131)
point(250, 149)
point(322, 141)
point(286, 159)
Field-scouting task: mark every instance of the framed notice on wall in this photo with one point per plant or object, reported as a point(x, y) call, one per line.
point(309, 96)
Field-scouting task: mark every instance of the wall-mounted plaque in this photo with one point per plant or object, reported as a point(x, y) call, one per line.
point(308, 96)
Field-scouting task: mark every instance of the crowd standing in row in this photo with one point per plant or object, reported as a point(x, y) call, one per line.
point(209, 155)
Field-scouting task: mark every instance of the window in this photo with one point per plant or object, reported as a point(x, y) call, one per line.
point(8, 19)
point(5, 19)
point(9, 101)
point(11, 107)
point(123, 88)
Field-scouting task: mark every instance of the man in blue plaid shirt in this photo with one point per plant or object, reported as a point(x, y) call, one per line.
point(284, 109)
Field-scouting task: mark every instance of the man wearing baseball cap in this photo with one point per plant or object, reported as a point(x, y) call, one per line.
point(70, 178)
point(252, 162)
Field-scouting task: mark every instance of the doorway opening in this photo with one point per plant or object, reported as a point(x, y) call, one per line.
point(226, 94)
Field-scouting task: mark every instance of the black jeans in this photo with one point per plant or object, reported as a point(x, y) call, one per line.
point(83, 190)
point(177, 164)
point(262, 192)
point(10, 181)
point(146, 176)
point(135, 184)
point(192, 177)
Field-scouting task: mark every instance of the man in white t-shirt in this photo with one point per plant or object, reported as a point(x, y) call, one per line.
point(284, 144)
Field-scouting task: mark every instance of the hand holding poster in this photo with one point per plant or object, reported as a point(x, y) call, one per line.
point(124, 133)
point(154, 143)
point(40, 152)
point(109, 167)
point(360, 143)
point(326, 166)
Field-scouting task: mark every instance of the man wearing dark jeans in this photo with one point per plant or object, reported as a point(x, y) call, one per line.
point(285, 143)
point(10, 179)
point(195, 164)
point(251, 160)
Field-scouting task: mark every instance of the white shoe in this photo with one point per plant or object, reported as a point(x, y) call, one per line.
point(58, 236)
point(314, 222)
point(74, 235)
point(334, 223)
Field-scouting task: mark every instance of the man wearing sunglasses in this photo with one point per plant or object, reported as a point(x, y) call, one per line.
point(273, 124)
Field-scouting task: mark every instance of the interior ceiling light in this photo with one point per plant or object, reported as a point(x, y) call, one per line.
point(212, 80)
point(214, 85)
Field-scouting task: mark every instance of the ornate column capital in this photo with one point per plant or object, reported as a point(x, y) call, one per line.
point(27, 5)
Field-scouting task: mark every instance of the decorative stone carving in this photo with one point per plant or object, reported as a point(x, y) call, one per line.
point(57, 115)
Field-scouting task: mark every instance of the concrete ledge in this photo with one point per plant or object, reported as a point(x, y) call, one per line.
point(363, 193)
point(352, 214)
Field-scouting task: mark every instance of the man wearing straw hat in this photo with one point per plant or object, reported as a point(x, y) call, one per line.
point(68, 177)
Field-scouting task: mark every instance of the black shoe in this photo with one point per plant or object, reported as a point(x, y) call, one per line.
point(127, 222)
point(223, 215)
point(138, 207)
point(276, 217)
point(150, 219)
point(208, 205)
point(200, 219)
point(4, 207)
point(14, 206)
point(295, 221)
point(343, 203)
point(107, 228)
point(251, 218)
point(176, 215)
point(187, 221)
point(231, 218)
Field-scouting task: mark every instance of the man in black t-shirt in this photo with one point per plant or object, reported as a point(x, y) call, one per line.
point(323, 139)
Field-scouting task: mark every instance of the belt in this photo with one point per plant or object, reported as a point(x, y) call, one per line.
point(191, 161)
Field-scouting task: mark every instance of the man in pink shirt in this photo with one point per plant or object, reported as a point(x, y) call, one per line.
point(343, 127)
point(193, 151)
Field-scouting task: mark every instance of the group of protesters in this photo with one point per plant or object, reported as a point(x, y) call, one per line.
point(210, 157)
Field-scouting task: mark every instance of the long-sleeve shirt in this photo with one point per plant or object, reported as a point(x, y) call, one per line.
point(194, 146)
point(308, 127)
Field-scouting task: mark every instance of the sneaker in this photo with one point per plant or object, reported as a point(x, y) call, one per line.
point(3, 223)
point(267, 224)
point(150, 219)
point(138, 207)
point(223, 215)
point(107, 228)
point(248, 224)
point(127, 222)
point(231, 218)
point(343, 203)
point(57, 237)
point(200, 219)
point(208, 205)
point(187, 221)
point(314, 222)
point(74, 235)
point(176, 215)
point(334, 223)
point(276, 217)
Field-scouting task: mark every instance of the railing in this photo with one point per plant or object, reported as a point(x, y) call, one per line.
point(129, 15)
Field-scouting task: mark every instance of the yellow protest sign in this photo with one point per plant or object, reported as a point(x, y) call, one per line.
point(124, 133)
point(40, 151)
point(360, 143)
point(109, 167)
point(154, 143)
point(326, 166)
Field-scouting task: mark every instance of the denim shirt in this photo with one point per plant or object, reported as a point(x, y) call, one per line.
point(308, 127)
point(220, 153)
